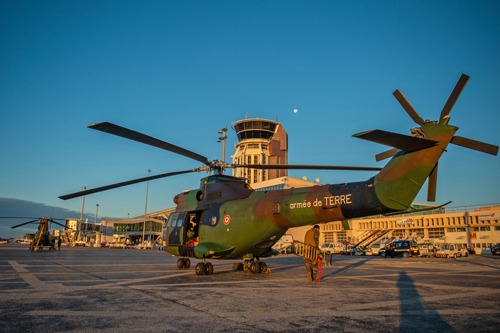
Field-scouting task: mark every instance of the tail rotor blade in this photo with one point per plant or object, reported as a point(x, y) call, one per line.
point(408, 107)
point(386, 154)
point(476, 145)
point(454, 96)
point(431, 185)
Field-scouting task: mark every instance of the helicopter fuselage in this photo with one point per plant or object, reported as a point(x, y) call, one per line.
point(207, 225)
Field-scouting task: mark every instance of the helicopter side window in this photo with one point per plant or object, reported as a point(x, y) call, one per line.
point(179, 223)
point(173, 223)
point(213, 220)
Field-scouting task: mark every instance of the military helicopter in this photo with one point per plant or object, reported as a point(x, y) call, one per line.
point(226, 219)
point(42, 237)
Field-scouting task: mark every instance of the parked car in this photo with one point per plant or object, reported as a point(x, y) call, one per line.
point(402, 248)
point(495, 249)
point(333, 248)
point(375, 249)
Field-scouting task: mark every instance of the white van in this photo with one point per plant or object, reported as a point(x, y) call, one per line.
point(333, 248)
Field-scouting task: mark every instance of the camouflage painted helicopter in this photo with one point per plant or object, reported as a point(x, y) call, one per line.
point(42, 237)
point(226, 219)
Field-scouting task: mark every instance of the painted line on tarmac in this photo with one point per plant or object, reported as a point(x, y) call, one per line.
point(32, 280)
point(205, 283)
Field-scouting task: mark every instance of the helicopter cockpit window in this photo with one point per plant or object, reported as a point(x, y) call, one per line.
point(173, 223)
point(179, 223)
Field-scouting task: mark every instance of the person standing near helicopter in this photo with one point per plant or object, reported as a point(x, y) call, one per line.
point(312, 238)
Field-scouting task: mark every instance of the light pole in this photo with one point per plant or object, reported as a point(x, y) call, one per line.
point(81, 215)
point(145, 211)
point(96, 208)
point(95, 225)
point(223, 139)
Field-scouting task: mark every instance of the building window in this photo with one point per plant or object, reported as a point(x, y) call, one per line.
point(460, 229)
point(436, 232)
point(342, 237)
point(328, 237)
point(484, 229)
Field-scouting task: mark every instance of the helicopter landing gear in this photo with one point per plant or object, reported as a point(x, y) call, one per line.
point(183, 263)
point(255, 267)
point(203, 268)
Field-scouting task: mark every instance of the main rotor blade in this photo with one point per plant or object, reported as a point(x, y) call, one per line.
point(302, 167)
point(139, 137)
point(476, 145)
point(386, 154)
point(454, 96)
point(58, 223)
point(24, 224)
point(408, 107)
point(431, 185)
point(130, 182)
point(18, 217)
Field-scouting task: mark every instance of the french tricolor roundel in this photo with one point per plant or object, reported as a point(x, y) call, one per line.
point(227, 219)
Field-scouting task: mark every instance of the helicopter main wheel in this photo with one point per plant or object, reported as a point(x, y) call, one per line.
point(200, 269)
point(209, 268)
point(187, 263)
point(255, 267)
point(180, 263)
point(238, 266)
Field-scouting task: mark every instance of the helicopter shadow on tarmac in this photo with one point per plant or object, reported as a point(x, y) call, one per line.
point(414, 311)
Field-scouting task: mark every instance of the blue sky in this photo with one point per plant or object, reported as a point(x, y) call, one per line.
point(181, 71)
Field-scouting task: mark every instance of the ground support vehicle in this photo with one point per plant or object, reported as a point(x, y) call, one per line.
point(351, 250)
point(428, 250)
point(450, 250)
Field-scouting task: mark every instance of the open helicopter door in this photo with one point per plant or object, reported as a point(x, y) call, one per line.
point(183, 231)
point(190, 233)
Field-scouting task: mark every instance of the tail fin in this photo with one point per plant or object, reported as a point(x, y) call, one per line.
point(416, 156)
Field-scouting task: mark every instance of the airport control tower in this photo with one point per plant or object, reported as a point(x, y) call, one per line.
point(260, 141)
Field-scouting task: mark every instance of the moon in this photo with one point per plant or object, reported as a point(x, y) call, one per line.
point(295, 111)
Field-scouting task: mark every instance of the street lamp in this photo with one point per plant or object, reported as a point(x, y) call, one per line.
point(145, 211)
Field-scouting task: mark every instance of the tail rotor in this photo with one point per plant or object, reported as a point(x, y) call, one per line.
point(419, 132)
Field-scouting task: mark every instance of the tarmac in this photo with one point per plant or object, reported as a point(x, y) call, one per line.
point(111, 290)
